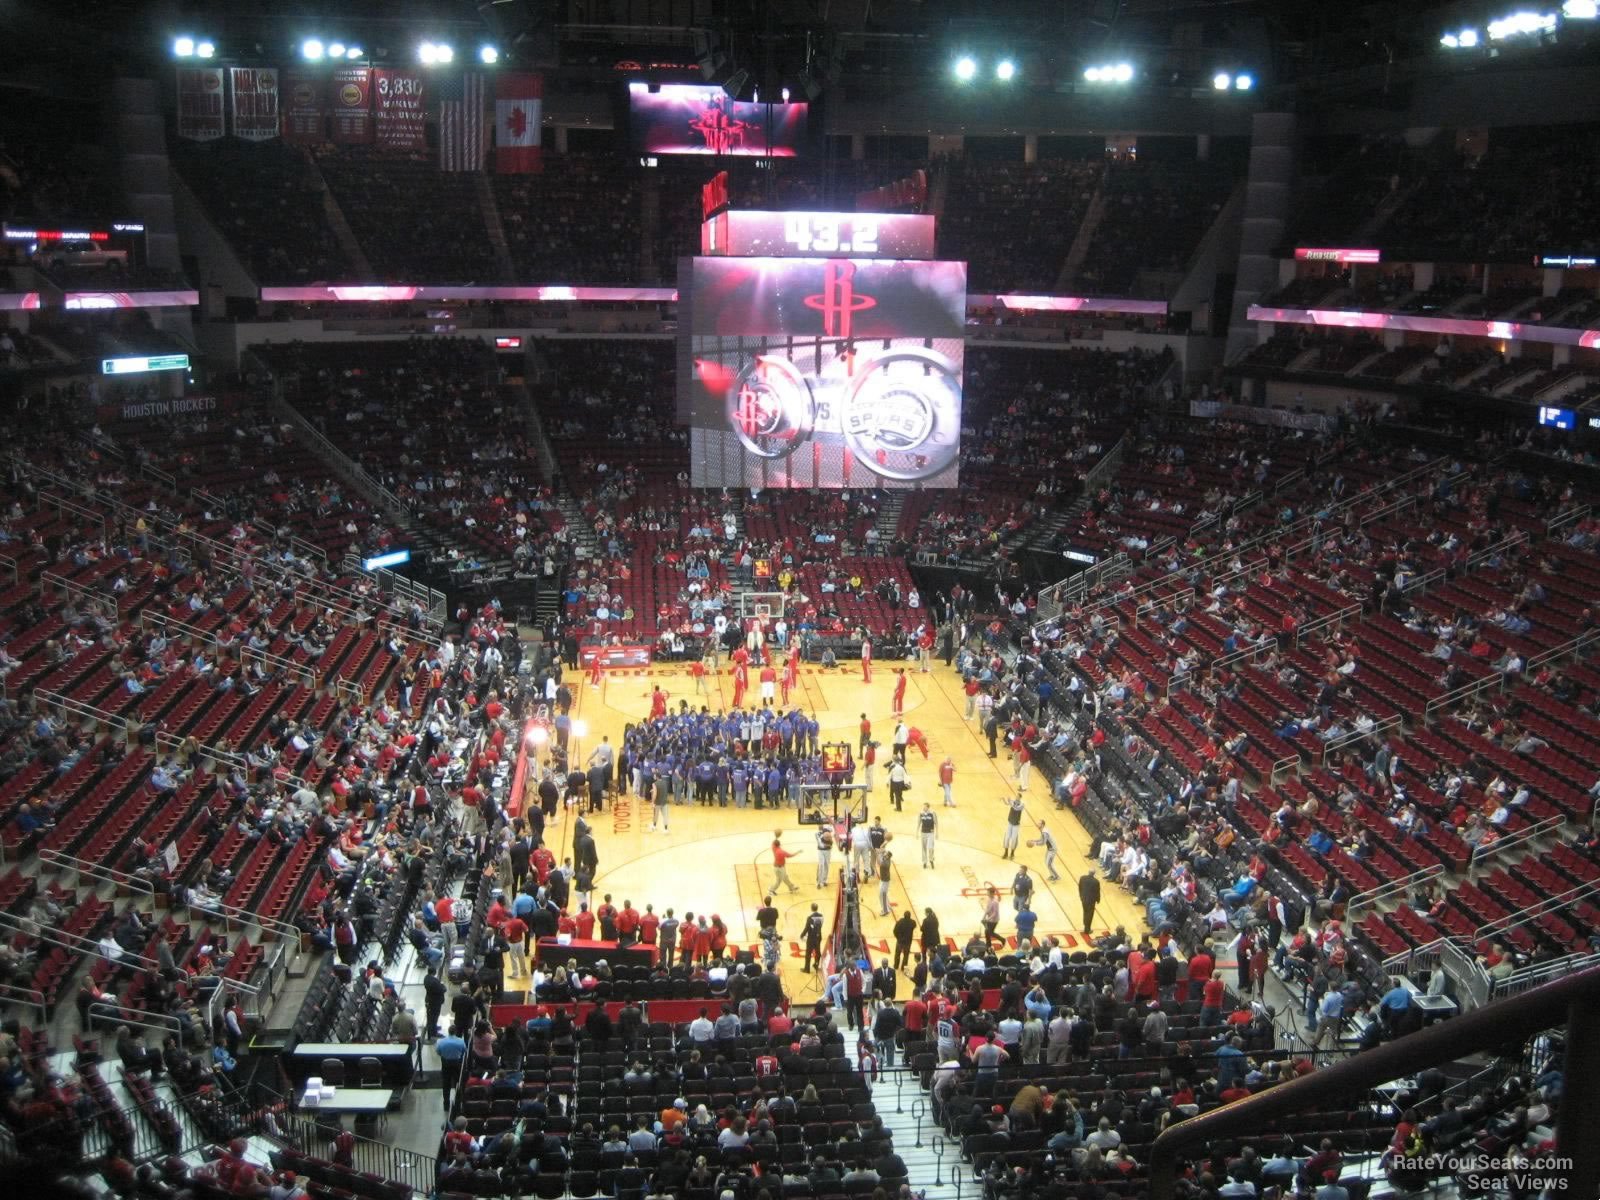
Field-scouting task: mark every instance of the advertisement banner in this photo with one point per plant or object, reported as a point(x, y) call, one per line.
point(612, 657)
point(399, 110)
point(255, 102)
point(200, 103)
point(303, 107)
point(92, 300)
point(351, 96)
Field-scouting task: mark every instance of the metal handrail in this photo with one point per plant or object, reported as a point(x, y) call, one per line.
point(1532, 976)
point(1545, 907)
point(1513, 1019)
point(1358, 735)
point(62, 504)
point(24, 997)
point(9, 565)
point(1302, 525)
point(152, 619)
point(54, 579)
point(1499, 680)
point(1351, 612)
point(343, 463)
point(1521, 837)
point(79, 709)
point(97, 871)
point(1571, 517)
point(165, 478)
point(1392, 889)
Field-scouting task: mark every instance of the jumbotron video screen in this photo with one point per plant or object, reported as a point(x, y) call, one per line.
point(823, 372)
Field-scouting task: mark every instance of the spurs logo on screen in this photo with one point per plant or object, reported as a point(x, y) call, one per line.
point(824, 372)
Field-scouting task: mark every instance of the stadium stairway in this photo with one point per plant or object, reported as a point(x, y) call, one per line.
point(889, 516)
point(907, 1113)
point(342, 232)
point(1045, 533)
point(1092, 216)
point(585, 541)
point(492, 224)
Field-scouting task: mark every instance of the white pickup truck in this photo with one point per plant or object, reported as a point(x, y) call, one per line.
point(80, 254)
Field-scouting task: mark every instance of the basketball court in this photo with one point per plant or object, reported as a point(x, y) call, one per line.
point(719, 860)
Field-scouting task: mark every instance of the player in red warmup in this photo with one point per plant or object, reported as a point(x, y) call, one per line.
point(866, 660)
point(791, 674)
point(741, 680)
point(898, 707)
point(658, 703)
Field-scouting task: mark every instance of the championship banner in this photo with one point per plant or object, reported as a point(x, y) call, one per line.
point(200, 103)
point(302, 107)
point(352, 105)
point(399, 112)
point(255, 102)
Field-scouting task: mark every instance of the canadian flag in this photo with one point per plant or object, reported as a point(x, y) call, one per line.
point(516, 122)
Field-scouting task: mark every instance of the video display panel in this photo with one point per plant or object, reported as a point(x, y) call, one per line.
point(823, 372)
point(818, 234)
point(692, 118)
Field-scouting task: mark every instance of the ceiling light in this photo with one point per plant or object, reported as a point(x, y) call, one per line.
point(183, 47)
point(311, 48)
point(1243, 82)
point(965, 69)
point(488, 55)
point(1005, 70)
point(205, 49)
point(1222, 81)
point(1123, 73)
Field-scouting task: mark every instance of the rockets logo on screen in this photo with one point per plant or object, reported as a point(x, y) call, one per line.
point(723, 132)
point(838, 302)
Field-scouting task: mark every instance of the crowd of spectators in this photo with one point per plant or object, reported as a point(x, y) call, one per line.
point(430, 420)
point(578, 222)
point(1014, 222)
point(1154, 218)
point(415, 222)
point(1529, 189)
point(266, 200)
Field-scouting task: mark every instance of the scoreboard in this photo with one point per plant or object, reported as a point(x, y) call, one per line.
point(820, 350)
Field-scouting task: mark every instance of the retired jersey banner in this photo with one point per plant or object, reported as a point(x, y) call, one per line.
point(352, 105)
point(255, 102)
point(400, 116)
point(200, 103)
point(302, 106)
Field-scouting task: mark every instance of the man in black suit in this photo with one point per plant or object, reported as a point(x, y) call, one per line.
point(883, 981)
point(1089, 893)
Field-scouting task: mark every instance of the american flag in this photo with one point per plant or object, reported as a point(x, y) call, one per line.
point(463, 131)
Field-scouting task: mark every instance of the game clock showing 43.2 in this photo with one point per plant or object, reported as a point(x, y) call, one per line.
point(830, 233)
point(745, 232)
